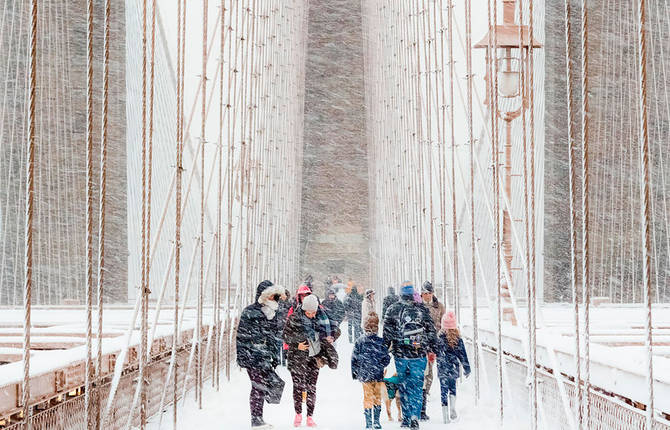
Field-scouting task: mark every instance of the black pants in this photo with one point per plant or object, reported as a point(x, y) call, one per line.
point(257, 397)
point(304, 378)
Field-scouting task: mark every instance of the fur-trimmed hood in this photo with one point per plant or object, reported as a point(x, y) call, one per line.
point(269, 292)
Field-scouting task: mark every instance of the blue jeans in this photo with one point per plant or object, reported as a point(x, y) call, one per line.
point(410, 371)
point(447, 386)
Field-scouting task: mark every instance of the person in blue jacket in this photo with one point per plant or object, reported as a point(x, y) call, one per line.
point(451, 356)
point(368, 361)
point(409, 332)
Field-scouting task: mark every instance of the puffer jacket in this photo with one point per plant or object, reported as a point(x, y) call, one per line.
point(449, 359)
point(369, 359)
point(257, 339)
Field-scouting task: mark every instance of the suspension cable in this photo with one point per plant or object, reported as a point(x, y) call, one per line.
point(645, 192)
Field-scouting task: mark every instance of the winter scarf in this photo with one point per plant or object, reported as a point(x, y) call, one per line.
point(269, 307)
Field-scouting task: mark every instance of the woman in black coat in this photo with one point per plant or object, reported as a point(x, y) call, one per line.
point(305, 340)
point(258, 346)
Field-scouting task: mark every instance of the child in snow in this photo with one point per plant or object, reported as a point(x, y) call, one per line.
point(368, 361)
point(451, 356)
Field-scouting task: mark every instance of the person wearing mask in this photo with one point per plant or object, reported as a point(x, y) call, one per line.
point(436, 310)
point(353, 310)
point(390, 299)
point(258, 348)
point(409, 332)
point(305, 341)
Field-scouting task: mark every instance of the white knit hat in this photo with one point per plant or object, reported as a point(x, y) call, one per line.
point(310, 303)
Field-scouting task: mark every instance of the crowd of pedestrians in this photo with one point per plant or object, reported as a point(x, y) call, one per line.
point(417, 335)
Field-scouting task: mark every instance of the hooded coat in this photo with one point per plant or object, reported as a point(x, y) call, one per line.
point(258, 331)
point(369, 359)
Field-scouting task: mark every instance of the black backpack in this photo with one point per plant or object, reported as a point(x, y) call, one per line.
point(412, 330)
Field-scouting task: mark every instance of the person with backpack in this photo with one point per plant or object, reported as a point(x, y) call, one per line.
point(451, 356)
point(410, 334)
point(258, 349)
point(353, 310)
point(368, 361)
point(436, 310)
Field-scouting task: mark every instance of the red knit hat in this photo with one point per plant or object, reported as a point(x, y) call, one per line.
point(448, 321)
point(304, 289)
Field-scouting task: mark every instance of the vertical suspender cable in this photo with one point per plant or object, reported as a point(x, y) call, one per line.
point(532, 304)
point(219, 249)
point(586, 275)
point(181, 11)
point(493, 102)
point(471, 142)
point(646, 201)
point(150, 145)
point(88, 379)
point(143, 286)
point(30, 191)
point(102, 211)
point(199, 360)
point(454, 222)
point(572, 159)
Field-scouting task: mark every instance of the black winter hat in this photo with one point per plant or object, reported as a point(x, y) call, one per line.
point(427, 287)
point(262, 286)
point(391, 291)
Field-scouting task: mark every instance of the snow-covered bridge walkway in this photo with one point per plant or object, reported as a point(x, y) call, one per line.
point(339, 404)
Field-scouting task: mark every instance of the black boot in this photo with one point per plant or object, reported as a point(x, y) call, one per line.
point(424, 417)
point(257, 422)
point(377, 411)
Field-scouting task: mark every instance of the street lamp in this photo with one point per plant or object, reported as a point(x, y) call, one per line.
point(511, 54)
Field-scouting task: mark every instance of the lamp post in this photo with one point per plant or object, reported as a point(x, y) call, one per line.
point(511, 54)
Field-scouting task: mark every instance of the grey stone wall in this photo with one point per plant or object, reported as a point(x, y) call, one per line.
point(59, 249)
point(334, 238)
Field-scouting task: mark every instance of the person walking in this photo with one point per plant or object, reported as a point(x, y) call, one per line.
point(304, 339)
point(410, 334)
point(451, 356)
point(368, 361)
point(368, 303)
point(258, 349)
point(334, 307)
point(436, 310)
point(353, 310)
point(390, 299)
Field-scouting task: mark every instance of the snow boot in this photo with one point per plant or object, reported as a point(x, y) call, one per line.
point(414, 423)
point(297, 421)
point(445, 414)
point(377, 414)
point(452, 407)
point(257, 423)
point(424, 417)
point(310, 422)
point(368, 418)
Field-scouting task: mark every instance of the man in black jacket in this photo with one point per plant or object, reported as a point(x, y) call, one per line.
point(258, 347)
point(390, 299)
point(353, 308)
point(410, 334)
point(333, 307)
